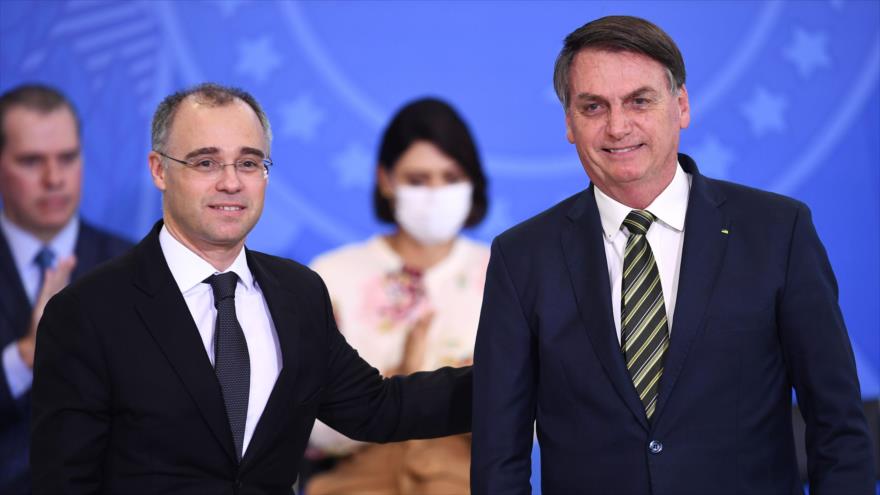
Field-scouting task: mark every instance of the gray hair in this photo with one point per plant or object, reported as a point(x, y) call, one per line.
point(619, 34)
point(210, 94)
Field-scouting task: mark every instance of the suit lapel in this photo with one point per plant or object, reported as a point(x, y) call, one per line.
point(702, 254)
point(86, 254)
point(584, 253)
point(287, 324)
point(15, 307)
point(168, 319)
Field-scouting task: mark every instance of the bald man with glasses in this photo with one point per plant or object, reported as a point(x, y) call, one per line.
point(196, 365)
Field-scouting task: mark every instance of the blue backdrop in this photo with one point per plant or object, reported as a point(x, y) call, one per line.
point(784, 97)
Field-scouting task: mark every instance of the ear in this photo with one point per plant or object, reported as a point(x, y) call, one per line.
point(383, 179)
point(157, 170)
point(569, 134)
point(684, 107)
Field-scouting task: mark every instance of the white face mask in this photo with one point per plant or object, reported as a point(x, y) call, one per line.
point(432, 215)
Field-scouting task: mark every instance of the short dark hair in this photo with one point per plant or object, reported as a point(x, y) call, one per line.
point(210, 94)
point(37, 97)
point(434, 121)
point(619, 33)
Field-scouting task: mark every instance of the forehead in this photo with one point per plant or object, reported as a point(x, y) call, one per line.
point(607, 73)
point(227, 127)
point(424, 156)
point(33, 130)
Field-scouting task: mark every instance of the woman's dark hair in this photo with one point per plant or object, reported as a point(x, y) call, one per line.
point(434, 121)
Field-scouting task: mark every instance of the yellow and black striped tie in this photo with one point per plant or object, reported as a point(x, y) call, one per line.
point(644, 331)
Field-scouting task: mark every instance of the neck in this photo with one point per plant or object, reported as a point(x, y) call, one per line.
point(416, 255)
point(218, 256)
point(638, 195)
point(45, 236)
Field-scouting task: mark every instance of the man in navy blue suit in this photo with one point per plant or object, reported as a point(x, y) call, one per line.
point(42, 243)
point(652, 326)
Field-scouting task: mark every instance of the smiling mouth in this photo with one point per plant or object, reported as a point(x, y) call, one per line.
point(622, 150)
point(227, 208)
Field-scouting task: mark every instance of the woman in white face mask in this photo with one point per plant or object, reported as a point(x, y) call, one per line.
point(410, 300)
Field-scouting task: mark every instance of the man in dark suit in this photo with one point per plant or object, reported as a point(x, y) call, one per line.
point(42, 241)
point(652, 326)
point(195, 365)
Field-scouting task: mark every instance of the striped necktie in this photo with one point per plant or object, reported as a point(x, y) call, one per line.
point(644, 329)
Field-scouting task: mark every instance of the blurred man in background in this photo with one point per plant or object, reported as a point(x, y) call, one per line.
point(194, 365)
point(43, 243)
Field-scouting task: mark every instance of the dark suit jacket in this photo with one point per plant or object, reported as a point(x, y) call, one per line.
point(93, 246)
point(126, 400)
point(756, 315)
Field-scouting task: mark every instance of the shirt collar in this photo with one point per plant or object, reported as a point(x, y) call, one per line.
point(25, 246)
point(670, 206)
point(189, 269)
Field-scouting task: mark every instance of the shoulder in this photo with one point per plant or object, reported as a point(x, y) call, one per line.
point(743, 202)
point(472, 252)
point(96, 238)
point(355, 253)
point(106, 282)
point(547, 224)
point(357, 261)
point(285, 269)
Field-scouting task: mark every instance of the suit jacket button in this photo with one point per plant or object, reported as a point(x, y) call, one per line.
point(655, 447)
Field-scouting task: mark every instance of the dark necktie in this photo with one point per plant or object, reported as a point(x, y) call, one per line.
point(644, 329)
point(231, 359)
point(44, 259)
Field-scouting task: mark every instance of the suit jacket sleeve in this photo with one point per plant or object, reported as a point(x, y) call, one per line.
point(71, 402)
point(359, 403)
point(12, 409)
point(505, 383)
point(821, 365)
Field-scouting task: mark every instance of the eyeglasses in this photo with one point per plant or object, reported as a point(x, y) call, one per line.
point(248, 167)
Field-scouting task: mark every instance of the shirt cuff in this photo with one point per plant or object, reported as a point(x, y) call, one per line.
point(18, 375)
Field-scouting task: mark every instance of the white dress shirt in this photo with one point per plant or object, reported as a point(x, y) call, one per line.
point(24, 247)
point(665, 236)
point(189, 271)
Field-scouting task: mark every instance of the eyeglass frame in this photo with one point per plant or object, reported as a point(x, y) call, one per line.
point(267, 163)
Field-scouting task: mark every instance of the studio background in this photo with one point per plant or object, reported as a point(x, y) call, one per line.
point(784, 97)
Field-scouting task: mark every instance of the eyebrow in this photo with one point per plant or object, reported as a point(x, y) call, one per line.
point(213, 150)
point(640, 91)
point(39, 155)
point(247, 150)
point(202, 151)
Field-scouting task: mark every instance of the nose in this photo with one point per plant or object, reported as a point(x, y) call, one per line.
point(52, 174)
point(618, 124)
point(228, 180)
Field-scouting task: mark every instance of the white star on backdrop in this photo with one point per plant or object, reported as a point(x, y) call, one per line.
point(301, 118)
point(713, 157)
point(354, 166)
point(764, 112)
point(257, 58)
point(807, 51)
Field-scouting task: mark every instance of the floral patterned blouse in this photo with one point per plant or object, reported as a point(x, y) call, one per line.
point(376, 300)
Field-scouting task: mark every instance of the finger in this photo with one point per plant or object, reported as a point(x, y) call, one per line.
point(424, 322)
point(56, 278)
